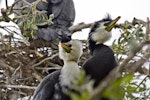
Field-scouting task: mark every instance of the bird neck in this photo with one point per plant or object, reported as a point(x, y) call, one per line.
point(93, 46)
point(69, 73)
point(68, 62)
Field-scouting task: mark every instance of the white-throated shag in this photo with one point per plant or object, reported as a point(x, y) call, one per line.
point(54, 86)
point(102, 59)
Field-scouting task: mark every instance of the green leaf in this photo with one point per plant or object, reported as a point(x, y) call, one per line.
point(131, 88)
point(81, 79)
point(34, 27)
point(127, 79)
point(118, 87)
point(28, 34)
point(75, 96)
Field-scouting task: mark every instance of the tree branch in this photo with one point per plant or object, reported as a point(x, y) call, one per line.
point(6, 4)
point(37, 64)
point(138, 63)
point(2, 64)
point(80, 26)
point(19, 86)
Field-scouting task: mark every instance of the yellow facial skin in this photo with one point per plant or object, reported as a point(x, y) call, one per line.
point(66, 48)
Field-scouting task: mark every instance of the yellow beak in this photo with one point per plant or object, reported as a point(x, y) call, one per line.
point(66, 48)
point(112, 24)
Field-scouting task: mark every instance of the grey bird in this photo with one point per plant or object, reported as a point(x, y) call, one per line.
point(64, 16)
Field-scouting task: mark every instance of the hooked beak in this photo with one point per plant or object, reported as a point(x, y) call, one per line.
point(66, 48)
point(112, 24)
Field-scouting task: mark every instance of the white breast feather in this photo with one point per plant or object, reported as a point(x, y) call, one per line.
point(69, 74)
point(101, 35)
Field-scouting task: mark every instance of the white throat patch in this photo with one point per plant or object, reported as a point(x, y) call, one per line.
point(69, 74)
point(101, 35)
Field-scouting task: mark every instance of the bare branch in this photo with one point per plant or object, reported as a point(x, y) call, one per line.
point(2, 64)
point(79, 27)
point(19, 86)
point(37, 64)
point(147, 29)
point(137, 65)
point(51, 68)
point(6, 3)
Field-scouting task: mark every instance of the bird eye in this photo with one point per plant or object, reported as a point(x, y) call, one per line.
point(106, 24)
point(69, 45)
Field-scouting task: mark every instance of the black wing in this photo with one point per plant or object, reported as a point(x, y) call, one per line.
point(45, 89)
point(100, 64)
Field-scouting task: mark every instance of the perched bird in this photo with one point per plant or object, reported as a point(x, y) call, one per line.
point(54, 86)
point(102, 59)
point(64, 16)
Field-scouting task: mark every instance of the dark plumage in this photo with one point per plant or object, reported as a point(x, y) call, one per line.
point(50, 88)
point(45, 89)
point(102, 59)
point(100, 63)
point(64, 16)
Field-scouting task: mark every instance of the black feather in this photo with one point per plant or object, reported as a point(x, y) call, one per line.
point(64, 38)
point(50, 88)
point(49, 8)
point(100, 63)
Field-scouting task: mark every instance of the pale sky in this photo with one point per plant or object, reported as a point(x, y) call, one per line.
point(92, 10)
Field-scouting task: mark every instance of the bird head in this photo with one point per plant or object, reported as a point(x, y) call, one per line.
point(101, 30)
point(70, 51)
point(64, 36)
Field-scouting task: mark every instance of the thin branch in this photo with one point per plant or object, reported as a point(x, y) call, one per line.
point(143, 70)
point(18, 68)
point(6, 4)
point(147, 76)
point(79, 27)
point(3, 64)
point(26, 2)
point(37, 64)
point(37, 76)
point(19, 86)
point(5, 15)
point(16, 1)
point(51, 68)
point(131, 24)
point(147, 29)
point(138, 63)
point(135, 21)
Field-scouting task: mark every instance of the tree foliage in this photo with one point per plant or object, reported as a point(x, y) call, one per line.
point(25, 61)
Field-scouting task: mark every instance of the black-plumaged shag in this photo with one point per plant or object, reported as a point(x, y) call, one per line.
point(102, 59)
